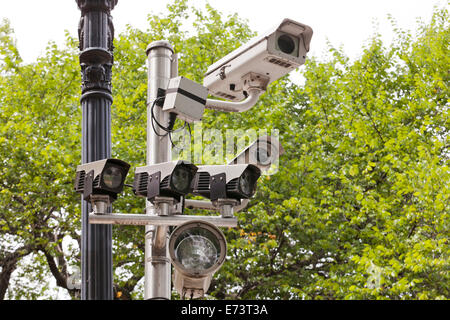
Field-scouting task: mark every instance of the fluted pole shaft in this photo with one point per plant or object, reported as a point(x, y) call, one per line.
point(96, 34)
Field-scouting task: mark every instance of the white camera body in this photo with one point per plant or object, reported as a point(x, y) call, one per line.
point(261, 61)
point(263, 153)
point(167, 179)
point(226, 181)
point(103, 177)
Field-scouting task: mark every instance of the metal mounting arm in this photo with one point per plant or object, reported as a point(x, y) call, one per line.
point(244, 105)
point(165, 217)
point(165, 221)
point(208, 205)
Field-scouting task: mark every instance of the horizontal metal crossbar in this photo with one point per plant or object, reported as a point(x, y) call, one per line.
point(143, 219)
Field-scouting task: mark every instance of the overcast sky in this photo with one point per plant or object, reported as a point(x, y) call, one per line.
point(342, 22)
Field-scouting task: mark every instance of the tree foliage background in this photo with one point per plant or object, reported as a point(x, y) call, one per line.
point(358, 210)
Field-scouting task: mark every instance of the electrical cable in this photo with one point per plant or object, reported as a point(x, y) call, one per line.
point(169, 129)
point(178, 130)
point(156, 121)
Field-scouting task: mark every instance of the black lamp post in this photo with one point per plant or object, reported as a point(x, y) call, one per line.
point(96, 34)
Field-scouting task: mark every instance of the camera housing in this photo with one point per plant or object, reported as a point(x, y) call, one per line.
point(168, 179)
point(226, 181)
point(263, 153)
point(197, 250)
point(103, 177)
point(261, 61)
point(186, 99)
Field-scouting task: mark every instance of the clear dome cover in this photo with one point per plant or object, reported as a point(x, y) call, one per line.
point(197, 249)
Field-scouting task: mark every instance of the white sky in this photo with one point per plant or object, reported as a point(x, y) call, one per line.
point(342, 22)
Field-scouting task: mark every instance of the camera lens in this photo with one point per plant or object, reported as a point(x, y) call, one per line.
point(112, 177)
point(197, 249)
point(263, 156)
point(286, 44)
point(247, 183)
point(181, 179)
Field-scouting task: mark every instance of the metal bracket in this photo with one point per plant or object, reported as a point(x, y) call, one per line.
point(88, 182)
point(161, 96)
point(164, 205)
point(154, 181)
point(222, 74)
point(174, 220)
point(191, 293)
point(218, 186)
point(100, 203)
point(226, 207)
point(208, 205)
point(255, 81)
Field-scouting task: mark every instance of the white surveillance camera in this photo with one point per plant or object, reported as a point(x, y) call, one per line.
point(226, 181)
point(101, 178)
point(169, 179)
point(261, 61)
point(263, 153)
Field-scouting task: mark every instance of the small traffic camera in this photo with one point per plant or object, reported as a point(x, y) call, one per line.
point(104, 177)
point(226, 181)
point(169, 179)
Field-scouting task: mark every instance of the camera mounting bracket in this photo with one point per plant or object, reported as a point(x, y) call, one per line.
point(100, 203)
point(226, 206)
point(164, 205)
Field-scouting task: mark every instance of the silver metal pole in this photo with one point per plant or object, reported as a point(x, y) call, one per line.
point(157, 261)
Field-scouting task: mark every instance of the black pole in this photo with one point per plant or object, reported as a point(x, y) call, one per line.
point(96, 34)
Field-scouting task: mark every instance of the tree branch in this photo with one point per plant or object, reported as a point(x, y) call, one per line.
point(9, 264)
point(61, 278)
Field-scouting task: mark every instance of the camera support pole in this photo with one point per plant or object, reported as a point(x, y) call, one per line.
point(96, 34)
point(162, 65)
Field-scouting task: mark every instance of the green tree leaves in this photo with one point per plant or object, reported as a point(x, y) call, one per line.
point(359, 208)
point(39, 126)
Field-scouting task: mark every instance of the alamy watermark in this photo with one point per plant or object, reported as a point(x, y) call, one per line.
point(212, 146)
